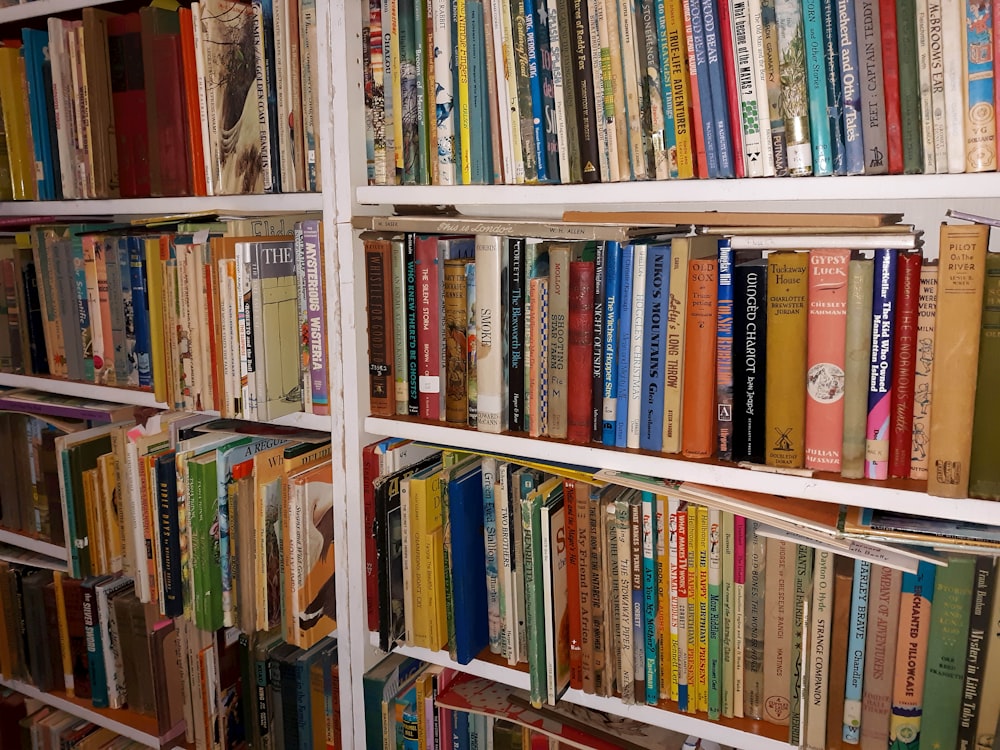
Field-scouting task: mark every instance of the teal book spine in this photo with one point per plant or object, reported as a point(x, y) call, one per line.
point(816, 78)
point(650, 539)
point(856, 652)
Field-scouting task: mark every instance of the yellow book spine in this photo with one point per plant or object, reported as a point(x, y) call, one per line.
point(702, 547)
point(435, 536)
point(16, 123)
point(677, 56)
point(420, 561)
point(154, 291)
point(464, 105)
point(692, 607)
point(787, 316)
point(63, 623)
point(665, 528)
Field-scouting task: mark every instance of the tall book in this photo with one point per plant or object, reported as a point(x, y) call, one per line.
point(857, 364)
point(924, 362)
point(560, 255)
point(818, 657)
point(378, 280)
point(989, 703)
point(491, 278)
point(456, 343)
point(825, 358)
point(946, 650)
point(843, 570)
point(724, 354)
point(778, 631)
point(787, 320)
point(655, 331)
point(984, 583)
point(579, 351)
point(750, 362)
point(880, 378)
point(856, 651)
point(984, 477)
point(698, 431)
point(904, 347)
point(880, 653)
point(961, 276)
point(517, 288)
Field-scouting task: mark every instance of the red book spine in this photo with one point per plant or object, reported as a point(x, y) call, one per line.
point(73, 595)
point(698, 430)
point(904, 363)
point(369, 473)
point(429, 338)
point(581, 343)
point(890, 82)
point(171, 120)
point(189, 73)
point(128, 100)
point(573, 586)
point(732, 87)
point(697, 141)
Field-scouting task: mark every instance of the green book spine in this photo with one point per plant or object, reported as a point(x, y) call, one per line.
point(531, 519)
point(946, 651)
point(909, 86)
point(984, 470)
point(860, 276)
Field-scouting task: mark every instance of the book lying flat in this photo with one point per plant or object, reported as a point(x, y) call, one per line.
point(733, 218)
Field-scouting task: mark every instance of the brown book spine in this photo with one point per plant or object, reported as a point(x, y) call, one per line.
point(581, 343)
point(456, 361)
point(573, 584)
point(961, 275)
point(843, 579)
point(880, 656)
point(904, 364)
point(698, 428)
point(778, 630)
point(583, 544)
point(73, 594)
point(923, 362)
point(787, 318)
point(378, 276)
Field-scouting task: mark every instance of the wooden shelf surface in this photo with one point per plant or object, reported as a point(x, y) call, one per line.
point(237, 204)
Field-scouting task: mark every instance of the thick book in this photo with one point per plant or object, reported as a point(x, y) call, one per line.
point(787, 320)
point(904, 348)
point(378, 280)
point(825, 358)
point(961, 276)
point(915, 615)
point(880, 656)
point(580, 335)
point(491, 280)
point(104, 151)
point(984, 583)
point(881, 374)
point(857, 365)
point(654, 354)
point(750, 362)
point(698, 431)
point(984, 477)
point(128, 96)
point(467, 562)
point(923, 365)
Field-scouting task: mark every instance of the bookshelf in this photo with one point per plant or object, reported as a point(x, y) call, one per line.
point(235, 204)
point(921, 198)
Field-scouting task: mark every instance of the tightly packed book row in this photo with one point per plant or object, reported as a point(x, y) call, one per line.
point(93, 639)
point(439, 707)
point(554, 91)
point(661, 600)
point(719, 343)
point(217, 98)
point(28, 724)
point(211, 315)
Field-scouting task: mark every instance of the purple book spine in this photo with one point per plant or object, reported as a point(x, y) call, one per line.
point(880, 374)
point(319, 380)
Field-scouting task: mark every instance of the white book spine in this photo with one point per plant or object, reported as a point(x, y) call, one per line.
point(611, 108)
point(513, 110)
point(760, 85)
point(924, 74)
point(818, 656)
point(61, 105)
point(490, 365)
point(199, 64)
point(135, 500)
point(953, 43)
point(501, 90)
point(635, 348)
point(746, 79)
point(630, 67)
point(562, 127)
point(444, 92)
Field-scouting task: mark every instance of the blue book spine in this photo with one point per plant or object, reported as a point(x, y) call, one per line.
point(850, 82)
point(491, 546)
point(666, 91)
point(650, 538)
point(704, 89)
point(979, 30)
point(717, 84)
point(140, 311)
point(421, 156)
point(724, 353)
point(535, 82)
point(543, 52)
point(856, 652)
point(128, 308)
point(834, 92)
point(468, 565)
point(70, 510)
point(303, 702)
point(654, 346)
point(819, 126)
point(34, 42)
point(481, 151)
point(83, 308)
point(95, 650)
point(881, 374)
point(623, 346)
point(612, 273)
point(460, 730)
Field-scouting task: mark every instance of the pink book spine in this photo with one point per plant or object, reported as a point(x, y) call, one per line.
point(739, 578)
point(926, 311)
point(827, 331)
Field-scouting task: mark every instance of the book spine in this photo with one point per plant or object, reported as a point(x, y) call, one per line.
point(636, 607)
point(95, 656)
point(652, 88)
point(378, 279)
point(535, 87)
point(456, 393)
point(787, 319)
point(584, 89)
point(904, 347)
point(850, 78)
point(515, 346)
point(984, 583)
point(749, 368)
point(860, 277)
point(680, 96)
point(746, 80)
point(753, 634)
point(889, 31)
point(816, 681)
point(635, 348)
point(623, 344)
point(698, 433)
point(597, 345)
point(715, 622)
point(834, 89)
point(961, 277)
point(654, 331)
point(412, 346)
point(875, 135)
point(651, 533)
point(612, 314)
point(573, 569)
point(923, 362)
point(683, 612)
point(580, 352)
point(471, 335)
point(702, 620)
point(694, 612)
point(609, 91)
point(539, 363)
point(701, 84)
point(816, 78)
point(739, 620)
point(714, 48)
point(491, 403)
point(777, 631)
point(953, 19)
point(724, 355)
point(827, 330)
point(926, 106)
point(794, 88)
point(880, 377)
point(911, 653)
point(883, 627)
point(984, 480)
point(799, 641)
point(910, 97)
point(559, 86)
point(558, 340)
point(979, 115)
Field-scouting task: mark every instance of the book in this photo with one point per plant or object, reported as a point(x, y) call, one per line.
point(961, 276)
point(776, 666)
point(654, 328)
point(491, 402)
point(857, 365)
point(579, 351)
point(750, 366)
point(724, 354)
point(881, 374)
point(701, 325)
point(378, 279)
point(880, 651)
point(904, 347)
point(923, 365)
point(818, 658)
point(560, 255)
point(982, 480)
point(787, 320)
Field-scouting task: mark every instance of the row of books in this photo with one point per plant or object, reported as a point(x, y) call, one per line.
point(26, 725)
point(219, 98)
point(412, 704)
point(694, 343)
point(213, 520)
point(552, 91)
point(211, 315)
point(655, 598)
point(93, 639)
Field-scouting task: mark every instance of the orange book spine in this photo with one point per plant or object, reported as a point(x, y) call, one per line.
point(698, 429)
point(196, 153)
point(825, 358)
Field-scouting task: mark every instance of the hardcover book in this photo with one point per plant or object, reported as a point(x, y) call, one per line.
point(881, 374)
point(857, 365)
point(698, 432)
point(984, 479)
point(923, 364)
point(750, 364)
point(904, 347)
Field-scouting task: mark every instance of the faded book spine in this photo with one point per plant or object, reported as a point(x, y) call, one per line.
point(456, 362)
point(880, 656)
point(984, 475)
point(579, 351)
point(923, 362)
point(491, 402)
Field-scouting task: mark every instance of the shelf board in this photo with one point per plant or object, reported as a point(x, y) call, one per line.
point(82, 390)
point(902, 496)
point(31, 544)
point(128, 723)
point(320, 422)
point(163, 206)
point(39, 8)
point(743, 733)
point(861, 188)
